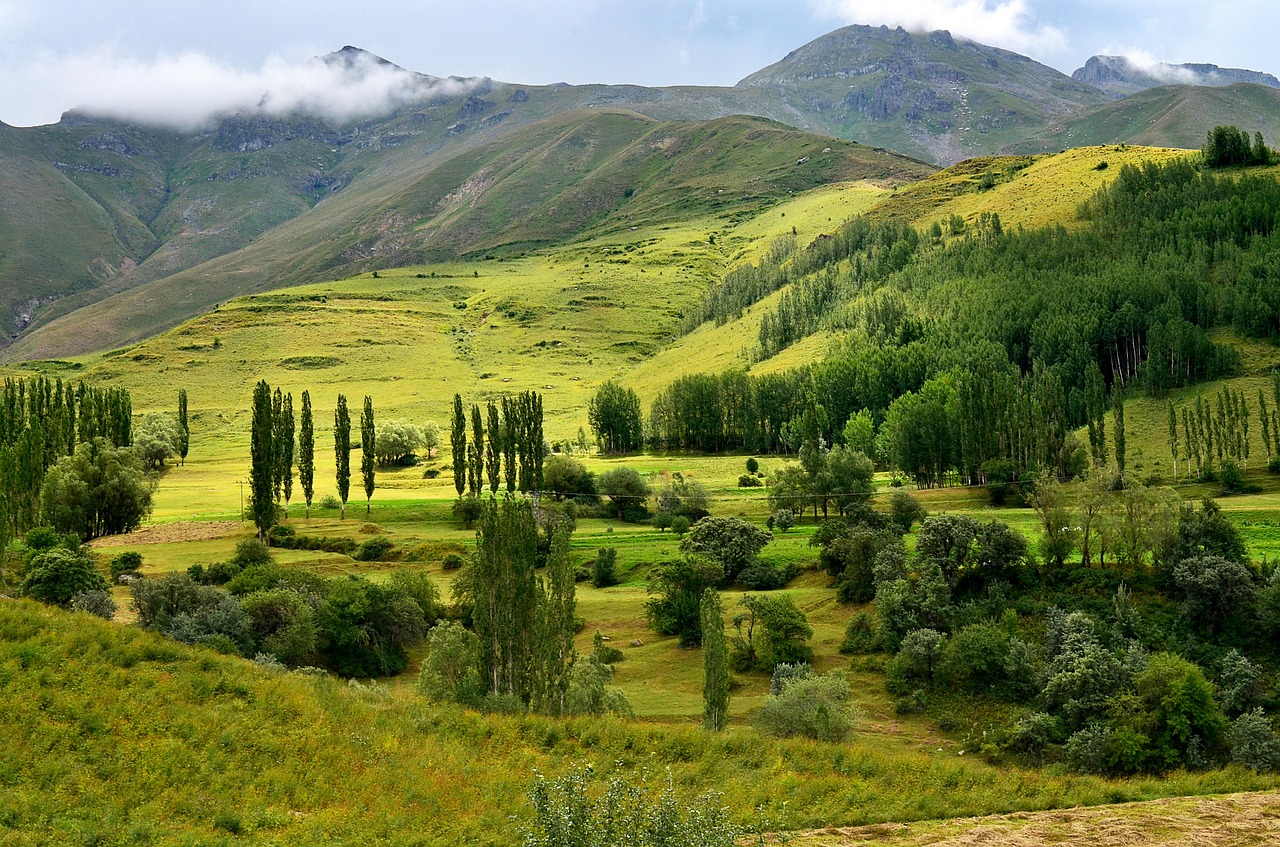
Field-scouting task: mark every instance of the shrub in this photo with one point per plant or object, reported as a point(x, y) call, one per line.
point(255, 578)
point(604, 571)
point(588, 692)
point(1179, 707)
point(422, 590)
point(283, 626)
point(127, 562)
point(329, 501)
point(772, 631)
point(905, 510)
point(1238, 688)
point(1254, 744)
point(567, 814)
point(282, 535)
point(374, 550)
point(753, 465)
point(1215, 589)
point(679, 525)
point(812, 706)
point(749, 481)
point(451, 561)
point(95, 603)
point(1033, 733)
point(677, 588)
point(57, 574)
point(766, 576)
point(1232, 478)
point(984, 658)
point(250, 551)
point(604, 651)
point(786, 673)
point(450, 670)
point(859, 635)
point(920, 652)
point(730, 542)
point(783, 519)
point(662, 520)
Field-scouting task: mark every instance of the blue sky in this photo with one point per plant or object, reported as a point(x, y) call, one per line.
point(157, 55)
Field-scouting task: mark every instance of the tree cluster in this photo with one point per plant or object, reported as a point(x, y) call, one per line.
point(506, 446)
point(1227, 146)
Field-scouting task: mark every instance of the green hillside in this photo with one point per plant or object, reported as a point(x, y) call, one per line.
point(559, 180)
point(1170, 116)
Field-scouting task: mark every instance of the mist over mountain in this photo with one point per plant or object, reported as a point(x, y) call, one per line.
point(1120, 76)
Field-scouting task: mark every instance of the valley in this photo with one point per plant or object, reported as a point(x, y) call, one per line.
point(974, 445)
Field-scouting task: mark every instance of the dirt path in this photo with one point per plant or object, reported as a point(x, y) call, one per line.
point(167, 533)
point(1236, 820)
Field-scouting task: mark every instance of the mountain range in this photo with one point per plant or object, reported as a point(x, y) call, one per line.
point(111, 230)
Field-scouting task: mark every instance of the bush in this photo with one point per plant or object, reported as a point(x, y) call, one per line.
point(753, 465)
point(451, 562)
point(588, 692)
point(920, 652)
point(1215, 589)
point(282, 535)
point(810, 706)
point(127, 562)
point(255, 578)
point(374, 550)
point(57, 574)
point(1033, 734)
point(604, 571)
point(283, 626)
point(329, 501)
point(730, 542)
point(772, 631)
point(567, 814)
point(1254, 744)
point(1238, 687)
point(905, 510)
point(677, 588)
point(679, 525)
point(983, 658)
point(783, 519)
point(766, 576)
point(786, 673)
point(250, 551)
point(95, 603)
point(450, 670)
point(749, 481)
point(860, 636)
point(1232, 478)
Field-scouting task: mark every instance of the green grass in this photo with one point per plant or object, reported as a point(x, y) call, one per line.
point(120, 736)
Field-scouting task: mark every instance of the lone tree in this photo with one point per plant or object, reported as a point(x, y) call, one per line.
point(342, 451)
point(458, 440)
point(715, 663)
point(98, 490)
point(184, 429)
point(262, 461)
point(307, 452)
point(367, 459)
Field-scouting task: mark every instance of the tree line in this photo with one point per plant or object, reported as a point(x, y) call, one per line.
point(505, 447)
point(43, 421)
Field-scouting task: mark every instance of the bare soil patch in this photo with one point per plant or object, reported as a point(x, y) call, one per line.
point(168, 533)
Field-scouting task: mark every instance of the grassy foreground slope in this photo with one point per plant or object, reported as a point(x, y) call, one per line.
point(122, 737)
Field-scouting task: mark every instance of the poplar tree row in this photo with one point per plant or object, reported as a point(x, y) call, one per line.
point(273, 450)
point(42, 420)
point(1211, 431)
point(505, 446)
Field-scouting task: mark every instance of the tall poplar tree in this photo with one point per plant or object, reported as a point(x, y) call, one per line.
point(509, 466)
point(367, 438)
point(715, 663)
point(262, 461)
point(307, 452)
point(493, 448)
point(502, 586)
point(277, 449)
point(553, 653)
point(284, 449)
point(342, 451)
point(184, 428)
point(1173, 438)
point(476, 475)
point(458, 441)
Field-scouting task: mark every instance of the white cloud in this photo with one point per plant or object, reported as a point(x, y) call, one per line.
point(1156, 68)
point(1003, 23)
point(186, 90)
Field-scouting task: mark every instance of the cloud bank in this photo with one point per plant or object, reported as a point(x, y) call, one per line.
point(186, 91)
point(1002, 23)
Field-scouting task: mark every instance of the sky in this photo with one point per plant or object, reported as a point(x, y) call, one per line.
point(177, 61)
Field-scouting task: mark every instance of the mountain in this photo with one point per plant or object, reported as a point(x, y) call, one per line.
point(1171, 116)
point(132, 227)
point(1119, 76)
point(927, 94)
point(567, 177)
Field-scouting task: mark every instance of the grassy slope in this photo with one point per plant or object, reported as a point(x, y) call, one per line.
point(119, 736)
point(545, 183)
point(1174, 116)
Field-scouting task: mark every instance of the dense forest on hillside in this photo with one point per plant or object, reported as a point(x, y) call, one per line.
point(1166, 254)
